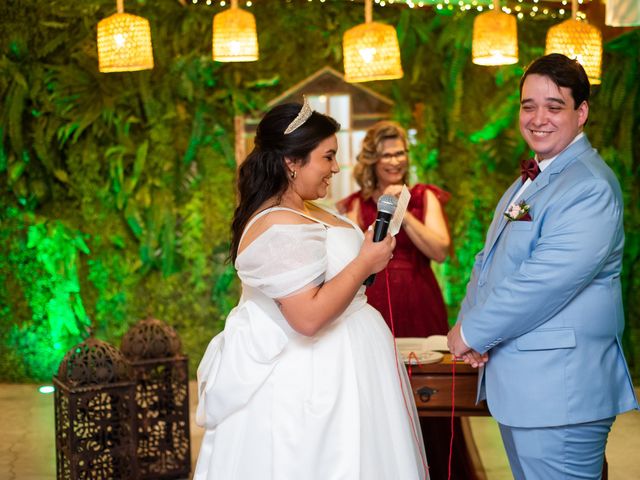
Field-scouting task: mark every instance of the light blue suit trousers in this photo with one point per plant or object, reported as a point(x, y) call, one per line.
point(569, 452)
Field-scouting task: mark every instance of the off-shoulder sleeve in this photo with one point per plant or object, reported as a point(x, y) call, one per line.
point(285, 259)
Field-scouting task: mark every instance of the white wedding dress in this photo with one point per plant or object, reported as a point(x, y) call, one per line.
point(277, 405)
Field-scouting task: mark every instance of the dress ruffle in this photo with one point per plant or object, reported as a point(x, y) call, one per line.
point(236, 363)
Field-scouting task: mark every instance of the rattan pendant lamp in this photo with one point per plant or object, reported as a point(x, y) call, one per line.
point(495, 38)
point(580, 41)
point(124, 42)
point(371, 51)
point(234, 35)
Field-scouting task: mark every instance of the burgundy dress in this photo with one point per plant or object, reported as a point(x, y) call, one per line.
point(416, 299)
point(418, 311)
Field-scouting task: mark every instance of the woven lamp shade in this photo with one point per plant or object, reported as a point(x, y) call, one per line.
point(124, 44)
point(371, 52)
point(495, 39)
point(580, 41)
point(234, 36)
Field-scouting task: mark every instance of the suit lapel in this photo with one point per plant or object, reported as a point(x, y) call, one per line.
point(565, 159)
point(500, 221)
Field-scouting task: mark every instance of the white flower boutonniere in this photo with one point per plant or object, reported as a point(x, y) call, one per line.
point(518, 211)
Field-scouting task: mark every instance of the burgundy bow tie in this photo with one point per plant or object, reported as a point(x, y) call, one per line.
point(529, 169)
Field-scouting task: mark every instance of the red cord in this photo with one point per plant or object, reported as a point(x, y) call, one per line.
point(404, 398)
point(453, 411)
point(410, 359)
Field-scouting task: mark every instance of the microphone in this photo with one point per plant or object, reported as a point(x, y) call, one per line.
point(386, 207)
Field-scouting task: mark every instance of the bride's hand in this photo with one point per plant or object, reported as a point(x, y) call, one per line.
point(376, 255)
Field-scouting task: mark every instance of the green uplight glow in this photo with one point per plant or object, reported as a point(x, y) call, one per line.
point(46, 389)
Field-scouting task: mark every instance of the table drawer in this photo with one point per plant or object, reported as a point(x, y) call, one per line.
point(434, 392)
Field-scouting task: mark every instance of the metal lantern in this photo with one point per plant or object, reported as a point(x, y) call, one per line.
point(94, 414)
point(162, 399)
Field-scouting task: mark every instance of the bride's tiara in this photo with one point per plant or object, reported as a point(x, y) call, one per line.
point(303, 115)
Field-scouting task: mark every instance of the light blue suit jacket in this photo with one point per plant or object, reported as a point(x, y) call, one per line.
point(545, 301)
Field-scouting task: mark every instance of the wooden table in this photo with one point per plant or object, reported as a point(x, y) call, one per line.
point(431, 385)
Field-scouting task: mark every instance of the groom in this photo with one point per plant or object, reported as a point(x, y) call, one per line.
point(544, 300)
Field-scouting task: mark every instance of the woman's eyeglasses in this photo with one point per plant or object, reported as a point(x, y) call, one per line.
point(400, 155)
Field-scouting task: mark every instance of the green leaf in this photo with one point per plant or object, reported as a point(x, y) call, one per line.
point(16, 105)
point(264, 82)
point(61, 175)
point(16, 169)
point(138, 167)
point(134, 220)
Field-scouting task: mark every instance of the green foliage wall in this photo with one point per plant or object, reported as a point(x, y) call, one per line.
point(116, 190)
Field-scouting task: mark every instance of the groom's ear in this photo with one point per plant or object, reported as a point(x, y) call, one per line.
point(583, 113)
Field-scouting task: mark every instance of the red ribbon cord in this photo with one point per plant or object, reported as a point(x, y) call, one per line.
point(404, 398)
point(412, 355)
point(453, 411)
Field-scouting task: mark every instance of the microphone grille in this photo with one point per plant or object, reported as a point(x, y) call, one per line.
point(387, 204)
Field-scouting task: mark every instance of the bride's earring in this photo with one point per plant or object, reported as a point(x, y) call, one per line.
point(293, 174)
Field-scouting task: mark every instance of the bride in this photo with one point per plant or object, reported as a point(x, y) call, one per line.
point(303, 383)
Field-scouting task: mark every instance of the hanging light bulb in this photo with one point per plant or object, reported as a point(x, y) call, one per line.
point(234, 35)
point(495, 38)
point(124, 42)
point(579, 41)
point(371, 51)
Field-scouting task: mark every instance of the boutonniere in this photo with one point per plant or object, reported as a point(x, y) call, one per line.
point(518, 211)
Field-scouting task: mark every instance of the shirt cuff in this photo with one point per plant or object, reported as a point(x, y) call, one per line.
point(463, 339)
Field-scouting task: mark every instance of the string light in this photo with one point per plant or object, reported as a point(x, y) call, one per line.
point(440, 6)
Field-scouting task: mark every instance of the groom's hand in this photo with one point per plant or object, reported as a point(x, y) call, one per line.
point(454, 340)
point(461, 350)
point(475, 359)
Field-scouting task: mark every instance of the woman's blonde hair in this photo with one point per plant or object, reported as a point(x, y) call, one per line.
point(365, 172)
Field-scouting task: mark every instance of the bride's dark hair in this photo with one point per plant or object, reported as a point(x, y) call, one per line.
point(264, 173)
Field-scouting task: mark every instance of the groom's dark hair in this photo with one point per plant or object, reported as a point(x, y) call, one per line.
point(564, 72)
